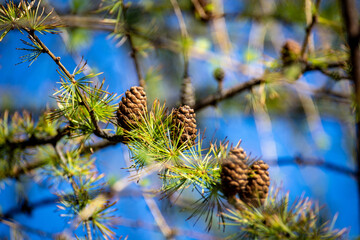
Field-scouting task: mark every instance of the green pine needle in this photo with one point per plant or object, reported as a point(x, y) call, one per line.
point(70, 98)
point(35, 51)
point(276, 219)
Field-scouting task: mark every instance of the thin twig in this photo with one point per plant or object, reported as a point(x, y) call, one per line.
point(156, 213)
point(322, 92)
point(309, 29)
point(214, 98)
point(88, 230)
point(64, 162)
point(159, 218)
point(184, 36)
point(19, 209)
point(220, 32)
point(27, 229)
point(134, 51)
point(153, 227)
point(187, 88)
point(180, 18)
point(315, 162)
point(135, 60)
point(325, 70)
point(97, 146)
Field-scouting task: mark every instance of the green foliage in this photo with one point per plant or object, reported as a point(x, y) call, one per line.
point(277, 219)
point(24, 16)
point(73, 94)
point(9, 14)
point(87, 202)
point(34, 19)
point(150, 141)
point(199, 169)
point(35, 51)
point(23, 126)
point(116, 8)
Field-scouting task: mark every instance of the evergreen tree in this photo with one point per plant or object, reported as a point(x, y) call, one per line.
point(164, 140)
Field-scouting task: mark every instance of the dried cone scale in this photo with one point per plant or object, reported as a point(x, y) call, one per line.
point(184, 120)
point(131, 107)
point(234, 173)
point(258, 184)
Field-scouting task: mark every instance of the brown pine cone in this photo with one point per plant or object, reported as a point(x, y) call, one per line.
point(132, 107)
point(258, 184)
point(184, 120)
point(290, 52)
point(234, 172)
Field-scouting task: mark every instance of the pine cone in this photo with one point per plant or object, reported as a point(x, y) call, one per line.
point(184, 119)
point(290, 52)
point(258, 184)
point(131, 107)
point(187, 93)
point(234, 172)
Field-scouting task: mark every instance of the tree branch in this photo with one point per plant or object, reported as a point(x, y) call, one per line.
point(153, 227)
point(98, 131)
point(133, 54)
point(88, 229)
point(34, 141)
point(159, 218)
point(214, 98)
point(15, 225)
point(325, 70)
point(309, 29)
point(17, 170)
point(315, 162)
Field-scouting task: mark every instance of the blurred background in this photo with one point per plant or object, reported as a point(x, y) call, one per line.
point(305, 135)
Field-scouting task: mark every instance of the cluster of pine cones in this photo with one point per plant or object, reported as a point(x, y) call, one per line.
point(132, 109)
point(250, 183)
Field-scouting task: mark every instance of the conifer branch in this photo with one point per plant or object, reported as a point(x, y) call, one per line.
point(98, 131)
